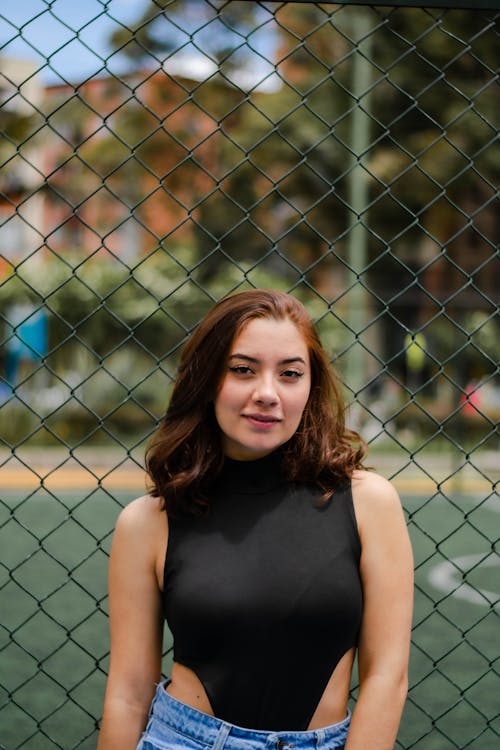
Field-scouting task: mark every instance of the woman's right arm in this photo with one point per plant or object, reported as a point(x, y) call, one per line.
point(136, 623)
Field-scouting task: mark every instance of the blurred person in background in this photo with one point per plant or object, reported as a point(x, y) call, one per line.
point(272, 554)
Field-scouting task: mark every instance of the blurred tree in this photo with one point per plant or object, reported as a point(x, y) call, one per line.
point(435, 169)
point(279, 175)
point(228, 145)
point(261, 198)
point(217, 30)
point(15, 127)
point(18, 120)
point(181, 36)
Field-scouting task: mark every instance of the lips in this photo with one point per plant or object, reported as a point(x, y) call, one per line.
point(262, 418)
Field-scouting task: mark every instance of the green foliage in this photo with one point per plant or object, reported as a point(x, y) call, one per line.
point(260, 180)
point(115, 332)
point(164, 26)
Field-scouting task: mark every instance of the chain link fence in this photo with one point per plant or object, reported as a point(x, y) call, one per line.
point(159, 155)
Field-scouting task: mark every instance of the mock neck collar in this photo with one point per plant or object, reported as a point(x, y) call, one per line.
point(253, 477)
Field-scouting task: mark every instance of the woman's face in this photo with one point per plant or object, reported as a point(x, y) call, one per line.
point(264, 389)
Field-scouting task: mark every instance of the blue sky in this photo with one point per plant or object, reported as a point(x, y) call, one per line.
point(73, 34)
point(68, 39)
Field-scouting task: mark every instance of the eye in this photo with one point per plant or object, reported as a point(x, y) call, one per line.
point(240, 370)
point(292, 374)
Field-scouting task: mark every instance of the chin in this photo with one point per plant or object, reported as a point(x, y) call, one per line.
point(259, 451)
point(249, 452)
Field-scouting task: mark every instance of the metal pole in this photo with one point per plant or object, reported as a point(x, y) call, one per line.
point(357, 240)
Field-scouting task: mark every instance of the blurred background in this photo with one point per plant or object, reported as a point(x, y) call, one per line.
point(157, 156)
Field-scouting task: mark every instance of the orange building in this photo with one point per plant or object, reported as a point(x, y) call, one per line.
point(127, 162)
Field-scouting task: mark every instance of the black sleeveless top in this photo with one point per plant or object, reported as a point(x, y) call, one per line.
point(263, 596)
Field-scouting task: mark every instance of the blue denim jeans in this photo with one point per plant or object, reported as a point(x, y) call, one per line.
point(173, 725)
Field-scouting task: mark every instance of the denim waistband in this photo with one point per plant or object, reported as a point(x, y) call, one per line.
point(218, 733)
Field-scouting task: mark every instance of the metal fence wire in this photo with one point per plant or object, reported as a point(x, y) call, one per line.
point(159, 155)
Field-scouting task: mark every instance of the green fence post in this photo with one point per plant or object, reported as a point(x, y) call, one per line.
point(357, 240)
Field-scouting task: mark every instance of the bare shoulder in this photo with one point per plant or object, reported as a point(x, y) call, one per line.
point(143, 516)
point(375, 498)
point(141, 510)
point(370, 487)
point(141, 535)
point(386, 554)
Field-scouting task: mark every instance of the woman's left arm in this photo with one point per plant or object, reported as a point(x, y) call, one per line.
point(387, 579)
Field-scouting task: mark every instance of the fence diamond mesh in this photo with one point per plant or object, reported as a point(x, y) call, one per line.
point(159, 155)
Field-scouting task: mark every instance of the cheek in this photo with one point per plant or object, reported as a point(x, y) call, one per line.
point(295, 406)
point(304, 399)
point(226, 398)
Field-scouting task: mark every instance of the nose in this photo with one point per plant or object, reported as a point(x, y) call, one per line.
point(265, 391)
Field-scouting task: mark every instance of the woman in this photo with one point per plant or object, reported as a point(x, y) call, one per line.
point(273, 556)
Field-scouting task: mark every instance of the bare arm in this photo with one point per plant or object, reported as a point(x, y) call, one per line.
point(136, 625)
point(387, 576)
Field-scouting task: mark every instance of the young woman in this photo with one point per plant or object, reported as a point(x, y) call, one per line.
point(272, 554)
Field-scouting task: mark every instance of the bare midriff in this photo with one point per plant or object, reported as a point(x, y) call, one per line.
point(185, 686)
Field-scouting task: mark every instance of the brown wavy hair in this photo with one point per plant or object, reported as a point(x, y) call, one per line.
point(186, 454)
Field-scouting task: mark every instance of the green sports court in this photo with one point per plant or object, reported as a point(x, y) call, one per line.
point(54, 628)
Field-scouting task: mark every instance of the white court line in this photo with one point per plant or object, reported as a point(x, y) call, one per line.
point(492, 502)
point(447, 577)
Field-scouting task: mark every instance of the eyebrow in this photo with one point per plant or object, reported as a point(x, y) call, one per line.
point(287, 361)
